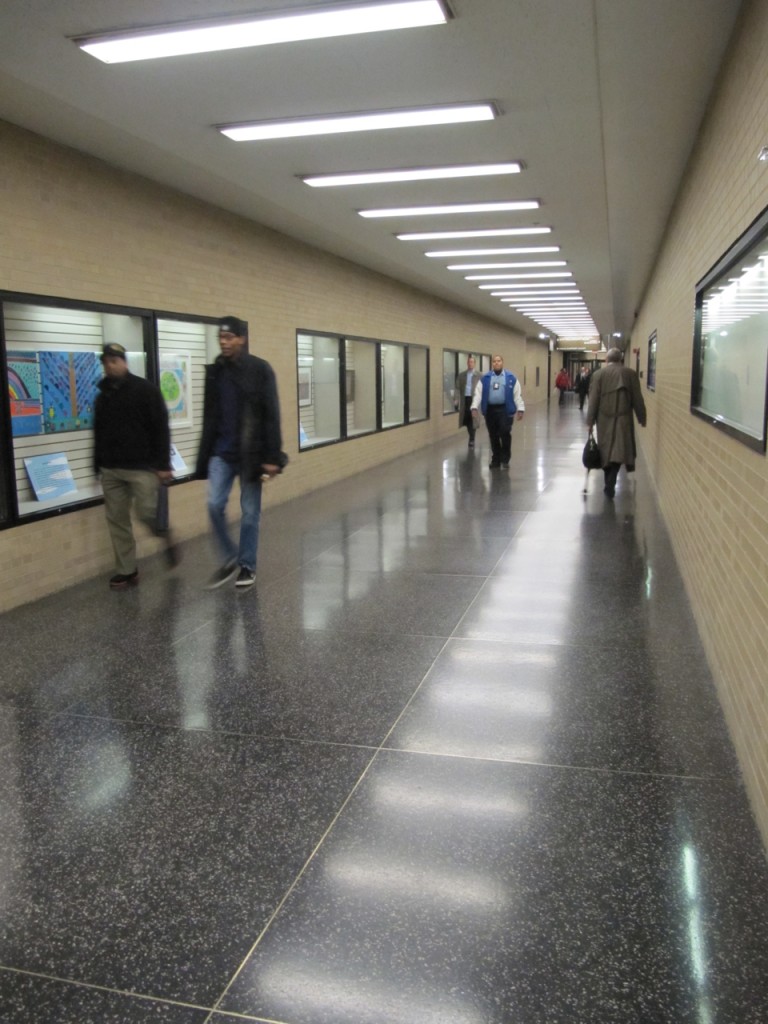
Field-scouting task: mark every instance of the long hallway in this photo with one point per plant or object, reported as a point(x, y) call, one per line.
point(456, 759)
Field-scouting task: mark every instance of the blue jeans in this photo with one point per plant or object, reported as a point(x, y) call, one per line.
point(221, 476)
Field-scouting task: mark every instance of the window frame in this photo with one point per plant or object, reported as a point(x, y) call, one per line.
point(343, 378)
point(10, 514)
point(754, 235)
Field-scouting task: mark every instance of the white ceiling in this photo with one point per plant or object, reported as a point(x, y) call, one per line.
point(600, 99)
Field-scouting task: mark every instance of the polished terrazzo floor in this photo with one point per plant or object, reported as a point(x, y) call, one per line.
point(456, 759)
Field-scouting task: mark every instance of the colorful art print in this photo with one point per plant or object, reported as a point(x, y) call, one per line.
point(50, 476)
point(24, 391)
point(69, 383)
point(175, 384)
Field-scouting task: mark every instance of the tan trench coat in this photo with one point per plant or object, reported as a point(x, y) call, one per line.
point(614, 395)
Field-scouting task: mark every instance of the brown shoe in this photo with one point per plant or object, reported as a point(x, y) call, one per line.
point(123, 582)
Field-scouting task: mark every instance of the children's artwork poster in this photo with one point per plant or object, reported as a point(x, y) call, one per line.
point(68, 381)
point(175, 384)
point(50, 475)
point(24, 391)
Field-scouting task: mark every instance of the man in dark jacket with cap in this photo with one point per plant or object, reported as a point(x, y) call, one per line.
point(241, 438)
point(132, 455)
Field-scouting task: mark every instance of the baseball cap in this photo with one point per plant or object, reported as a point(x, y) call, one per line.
point(113, 349)
point(233, 325)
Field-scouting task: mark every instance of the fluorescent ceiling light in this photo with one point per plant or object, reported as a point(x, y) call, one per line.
point(506, 266)
point(337, 124)
point(415, 174)
point(542, 286)
point(531, 295)
point(522, 251)
point(341, 19)
point(428, 211)
point(503, 277)
point(419, 236)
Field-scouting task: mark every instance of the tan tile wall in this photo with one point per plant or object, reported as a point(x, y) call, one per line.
point(713, 490)
point(73, 227)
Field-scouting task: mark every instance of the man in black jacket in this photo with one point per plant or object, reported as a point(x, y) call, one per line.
point(241, 438)
point(132, 455)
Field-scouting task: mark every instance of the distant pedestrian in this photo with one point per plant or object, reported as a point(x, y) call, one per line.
point(562, 384)
point(465, 390)
point(499, 397)
point(581, 385)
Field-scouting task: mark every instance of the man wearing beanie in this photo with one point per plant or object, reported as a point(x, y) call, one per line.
point(132, 455)
point(241, 438)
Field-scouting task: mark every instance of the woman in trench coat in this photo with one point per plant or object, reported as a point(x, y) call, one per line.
point(614, 395)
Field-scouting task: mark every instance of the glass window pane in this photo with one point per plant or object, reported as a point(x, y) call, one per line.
point(392, 385)
point(733, 347)
point(184, 348)
point(417, 383)
point(54, 369)
point(360, 387)
point(318, 389)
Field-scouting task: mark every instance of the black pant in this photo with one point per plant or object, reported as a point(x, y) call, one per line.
point(611, 472)
point(500, 432)
point(468, 422)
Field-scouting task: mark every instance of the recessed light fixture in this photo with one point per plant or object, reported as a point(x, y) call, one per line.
point(419, 236)
point(522, 251)
point(428, 211)
point(414, 174)
point(336, 124)
point(506, 266)
point(341, 19)
point(763, 154)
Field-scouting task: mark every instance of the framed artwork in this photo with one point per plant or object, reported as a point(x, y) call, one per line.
point(50, 475)
point(650, 379)
point(25, 394)
point(175, 384)
point(304, 374)
point(68, 382)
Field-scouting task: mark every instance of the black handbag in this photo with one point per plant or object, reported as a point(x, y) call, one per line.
point(590, 457)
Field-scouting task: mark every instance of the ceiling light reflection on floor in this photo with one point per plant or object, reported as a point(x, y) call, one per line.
point(415, 882)
point(331, 994)
point(472, 803)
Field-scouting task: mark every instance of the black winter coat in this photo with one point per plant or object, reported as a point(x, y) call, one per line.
point(130, 423)
point(260, 438)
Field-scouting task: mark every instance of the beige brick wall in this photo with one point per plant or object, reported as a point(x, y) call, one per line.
point(72, 227)
point(714, 490)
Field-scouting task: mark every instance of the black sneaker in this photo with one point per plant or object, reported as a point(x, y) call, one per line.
point(494, 464)
point(222, 574)
point(123, 581)
point(246, 578)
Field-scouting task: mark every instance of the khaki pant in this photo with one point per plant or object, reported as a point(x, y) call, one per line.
point(122, 488)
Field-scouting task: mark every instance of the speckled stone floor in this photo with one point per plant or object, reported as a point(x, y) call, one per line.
point(456, 759)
